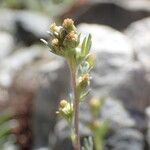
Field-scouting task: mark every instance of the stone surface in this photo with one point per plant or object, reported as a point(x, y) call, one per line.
point(7, 45)
point(116, 73)
point(138, 33)
point(53, 88)
point(117, 115)
point(7, 20)
point(148, 124)
point(15, 62)
point(117, 14)
point(10, 146)
point(28, 26)
point(31, 26)
point(128, 4)
point(126, 139)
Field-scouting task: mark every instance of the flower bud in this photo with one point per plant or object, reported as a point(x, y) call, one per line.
point(68, 24)
point(55, 42)
point(65, 110)
point(54, 28)
point(55, 47)
point(71, 40)
point(84, 80)
point(63, 103)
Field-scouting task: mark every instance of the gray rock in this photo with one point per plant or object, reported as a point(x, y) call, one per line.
point(28, 26)
point(138, 33)
point(126, 139)
point(113, 53)
point(7, 45)
point(43, 148)
point(117, 14)
point(116, 114)
point(130, 4)
point(7, 20)
point(116, 74)
point(15, 62)
point(148, 123)
point(54, 86)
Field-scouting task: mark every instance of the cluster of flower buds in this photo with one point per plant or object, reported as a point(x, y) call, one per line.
point(64, 39)
point(65, 110)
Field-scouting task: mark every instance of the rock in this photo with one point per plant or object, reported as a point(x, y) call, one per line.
point(10, 146)
point(31, 26)
point(126, 139)
point(113, 53)
point(7, 45)
point(7, 20)
point(138, 33)
point(28, 26)
point(35, 71)
point(148, 123)
point(116, 73)
point(128, 4)
point(116, 14)
point(118, 117)
point(15, 62)
point(54, 86)
point(134, 87)
point(134, 4)
point(43, 148)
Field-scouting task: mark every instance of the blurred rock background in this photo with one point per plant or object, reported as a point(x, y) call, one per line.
point(32, 80)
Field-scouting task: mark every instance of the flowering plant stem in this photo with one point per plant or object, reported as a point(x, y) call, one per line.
point(65, 41)
point(75, 105)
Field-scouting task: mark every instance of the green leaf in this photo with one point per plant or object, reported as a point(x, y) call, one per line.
point(86, 45)
point(84, 95)
point(91, 60)
point(89, 43)
point(5, 132)
point(88, 144)
point(4, 118)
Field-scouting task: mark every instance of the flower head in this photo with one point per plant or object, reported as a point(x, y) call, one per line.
point(68, 24)
point(54, 28)
point(71, 40)
point(65, 110)
point(64, 39)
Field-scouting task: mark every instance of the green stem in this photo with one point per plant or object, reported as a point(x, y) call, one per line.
point(76, 105)
point(98, 142)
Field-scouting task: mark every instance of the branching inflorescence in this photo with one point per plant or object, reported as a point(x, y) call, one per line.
point(65, 41)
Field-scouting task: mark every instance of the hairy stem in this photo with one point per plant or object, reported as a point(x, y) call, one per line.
point(76, 106)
